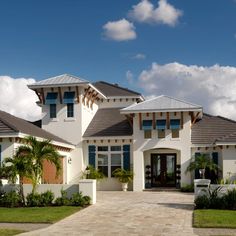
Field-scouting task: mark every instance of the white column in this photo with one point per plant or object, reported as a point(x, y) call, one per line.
point(138, 166)
point(88, 188)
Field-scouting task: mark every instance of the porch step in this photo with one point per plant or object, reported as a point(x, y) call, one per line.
point(162, 190)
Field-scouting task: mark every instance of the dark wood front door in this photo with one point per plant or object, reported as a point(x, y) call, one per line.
point(163, 170)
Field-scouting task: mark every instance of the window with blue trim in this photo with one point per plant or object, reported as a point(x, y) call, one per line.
point(175, 126)
point(69, 97)
point(147, 125)
point(160, 124)
point(70, 110)
point(53, 110)
point(51, 98)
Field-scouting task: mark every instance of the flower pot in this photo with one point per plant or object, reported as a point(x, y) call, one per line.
point(124, 186)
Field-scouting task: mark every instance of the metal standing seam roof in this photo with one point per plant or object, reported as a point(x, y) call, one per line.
point(162, 103)
point(11, 124)
point(108, 122)
point(211, 129)
point(64, 79)
point(114, 90)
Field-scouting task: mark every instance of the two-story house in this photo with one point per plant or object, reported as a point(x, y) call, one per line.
point(108, 126)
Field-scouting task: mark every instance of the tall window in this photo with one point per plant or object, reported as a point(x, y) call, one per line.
point(70, 110)
point(175, 126)
point(53, 110)
point(109, 158)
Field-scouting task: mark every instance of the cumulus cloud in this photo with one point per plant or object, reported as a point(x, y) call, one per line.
point(121, 30)
point(129, 76)
point(212, 87)
point(164, 13)
point(139, 56)
point(17, 99)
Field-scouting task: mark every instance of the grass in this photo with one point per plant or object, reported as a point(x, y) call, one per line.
point(10, 232)
point(36, 214)
point(214, 219)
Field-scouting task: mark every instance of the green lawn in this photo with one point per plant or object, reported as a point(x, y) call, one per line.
point(214, 219)
point(36, 214)
point(10, 232)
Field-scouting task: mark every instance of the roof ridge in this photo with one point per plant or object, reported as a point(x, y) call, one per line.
point(116, 86)
point(227, 119)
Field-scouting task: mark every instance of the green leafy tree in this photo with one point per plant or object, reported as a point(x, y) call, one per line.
point(14, 167)
point(202, 162)
point(37, 152)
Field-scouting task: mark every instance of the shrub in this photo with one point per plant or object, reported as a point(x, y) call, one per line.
point(10, 199)
point(87, 200)
point(63, 200)
point(77, 199)
point(46, 198)
point(188, 188)
point(230, 199)
point(33, 199)
point(202, 202)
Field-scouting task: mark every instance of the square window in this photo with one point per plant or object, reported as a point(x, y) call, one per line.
point(147, 134)
point(175, 133)
point(102, 148)
point(115, 148)
point(161, 133)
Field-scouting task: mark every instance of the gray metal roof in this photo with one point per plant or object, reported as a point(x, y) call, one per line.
point(162, 103)
point(60, 80)
point(108, 122)
point(10, 124)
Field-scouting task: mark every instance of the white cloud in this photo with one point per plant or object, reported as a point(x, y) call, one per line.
point(17, 99)
point(212, 87)
point(139, 56)
point(164, 13)
point(121, 30)
point(129, 76)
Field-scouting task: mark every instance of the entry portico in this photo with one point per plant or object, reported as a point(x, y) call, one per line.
point(162, 141)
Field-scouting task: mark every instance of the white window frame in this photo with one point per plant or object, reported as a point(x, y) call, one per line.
point(109, 152)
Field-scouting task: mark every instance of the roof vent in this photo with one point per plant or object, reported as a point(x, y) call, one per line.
point(116, 84)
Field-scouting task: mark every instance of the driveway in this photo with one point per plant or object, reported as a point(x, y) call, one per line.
point(129, 213)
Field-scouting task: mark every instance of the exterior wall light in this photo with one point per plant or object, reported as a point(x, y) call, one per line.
point(69, 160)
point(87, 172)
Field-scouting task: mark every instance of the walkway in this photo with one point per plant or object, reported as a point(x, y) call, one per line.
point(130, 213)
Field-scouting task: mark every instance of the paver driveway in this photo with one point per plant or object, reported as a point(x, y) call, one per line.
point(129, 213)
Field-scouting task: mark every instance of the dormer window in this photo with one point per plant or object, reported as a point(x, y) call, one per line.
point(68, 99)
point(175, 127)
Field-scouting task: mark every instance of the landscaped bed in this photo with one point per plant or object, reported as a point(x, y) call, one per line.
point(214, 218)
point(36, 214)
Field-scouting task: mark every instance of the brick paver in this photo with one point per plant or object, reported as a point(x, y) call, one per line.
point(129, 213)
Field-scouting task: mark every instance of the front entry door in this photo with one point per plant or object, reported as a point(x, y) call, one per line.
point(163, 167)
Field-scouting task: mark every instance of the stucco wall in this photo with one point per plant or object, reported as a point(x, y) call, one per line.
point(229, 162)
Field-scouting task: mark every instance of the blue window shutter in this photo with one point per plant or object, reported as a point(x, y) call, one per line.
point(175, 124)
point(126, 157)
point(161, 124)
point(215, 157)
point(197, 174)
point(92, 155)
point(69, 97)
point(147, 125)
point(51, 98)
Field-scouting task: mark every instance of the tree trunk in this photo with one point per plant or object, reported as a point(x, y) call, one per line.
point(22, 191)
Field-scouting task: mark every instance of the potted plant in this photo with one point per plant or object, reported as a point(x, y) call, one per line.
point(124, 176)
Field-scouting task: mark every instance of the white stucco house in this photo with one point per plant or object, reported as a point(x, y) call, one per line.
point(108, 127)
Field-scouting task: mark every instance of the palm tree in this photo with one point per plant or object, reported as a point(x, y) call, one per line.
point(37, 152)
point(201, 163)
point(14, 167)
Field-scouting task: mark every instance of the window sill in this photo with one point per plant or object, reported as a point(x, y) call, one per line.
point(54, 120)
point(69, 119)
point(175, 139)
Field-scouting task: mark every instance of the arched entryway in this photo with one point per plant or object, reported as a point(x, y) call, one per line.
point(162, 168)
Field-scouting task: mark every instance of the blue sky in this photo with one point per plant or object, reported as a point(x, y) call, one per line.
point(176, 43)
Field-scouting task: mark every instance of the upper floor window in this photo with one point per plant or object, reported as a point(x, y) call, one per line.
point(51, 98)
point(161, 126)
point(70, 110)
point(175, 126)
point(53, 111)
point(69, 97)
point(147, 127)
